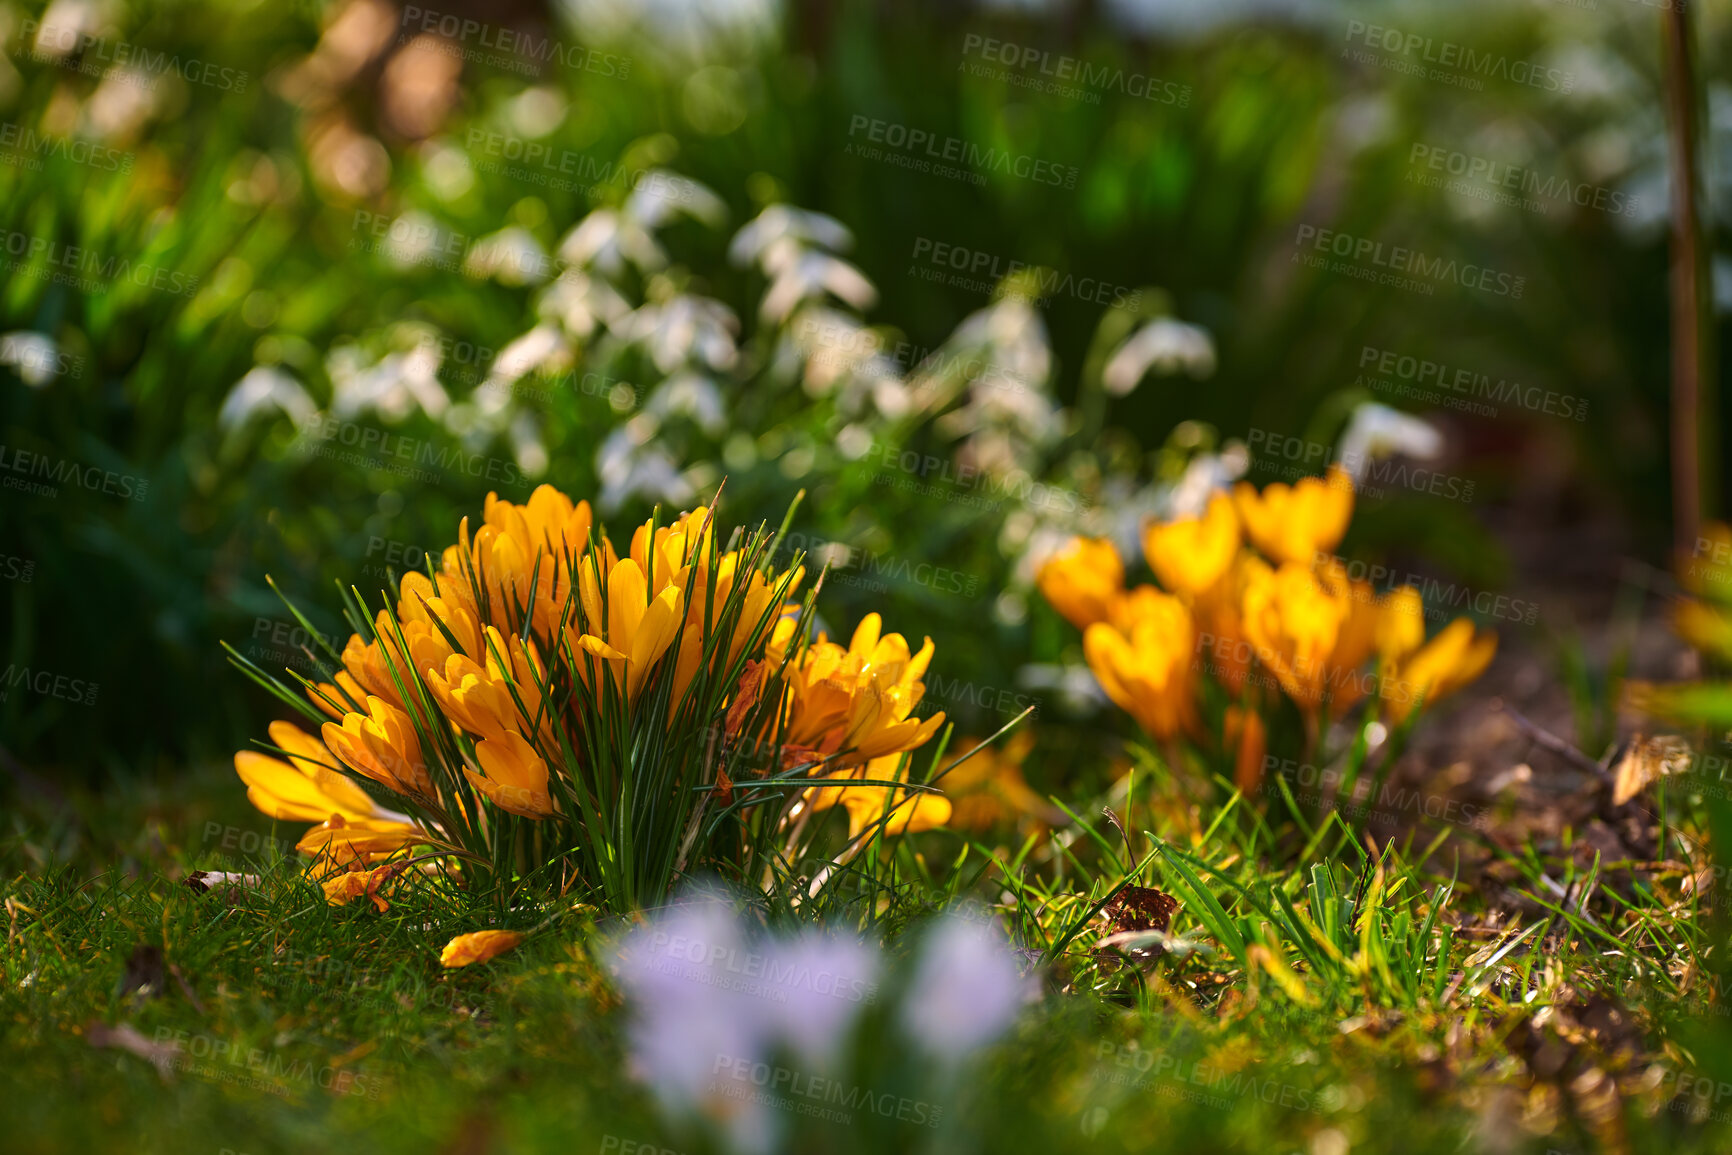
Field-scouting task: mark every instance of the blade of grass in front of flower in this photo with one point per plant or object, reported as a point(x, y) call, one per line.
point(272, 684)
point(1295, 810)
point(1205, 906)
point(1391, 753)
point(1356, 765)
point(324, 642)
point(1107, 847)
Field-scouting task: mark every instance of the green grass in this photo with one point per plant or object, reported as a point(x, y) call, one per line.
point(1329, 996)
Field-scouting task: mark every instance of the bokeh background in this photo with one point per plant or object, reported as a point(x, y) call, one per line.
point(290, 287)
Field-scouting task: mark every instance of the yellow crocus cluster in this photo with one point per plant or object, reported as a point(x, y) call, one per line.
point(851, 705)
point(488, 673)
point(1251, 584)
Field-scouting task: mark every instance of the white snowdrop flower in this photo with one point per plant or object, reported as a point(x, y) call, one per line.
point(582, 303)
point(394, 386)
point(1164, 345)
point(542, 347)
point(659, 195)
point(511, 256)
point(413, 238)
point(692, 395)
point(1376, 431)
point(968, 989)
point(1075, 686)
point(630, 465)
point(36, 356)
point(781, 222)
point(683, 329)
point(808, 274)
point(263, 388)
point(891, 398)
point(606, 241)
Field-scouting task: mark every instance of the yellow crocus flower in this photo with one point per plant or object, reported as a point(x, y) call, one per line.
point(1455, 657)
point(516, 778)
point(381, 745)
point(856, 702)
point(909, 811)
point(1400, 625)
point(1148, 668)
point(1296, 523)
point(478, 696)
point(1083, 580)
point(638, 629)
point(1192, 554)
point(1293, 624)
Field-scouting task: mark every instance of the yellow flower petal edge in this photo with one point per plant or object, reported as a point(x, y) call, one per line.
point(477, 947)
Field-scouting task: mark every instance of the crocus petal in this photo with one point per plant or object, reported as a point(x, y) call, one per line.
point(477, 947)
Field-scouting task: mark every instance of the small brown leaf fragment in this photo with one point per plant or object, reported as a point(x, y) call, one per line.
point(724, 786)
point(745, 697)
point(1647, 760)
point(1140, 910)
